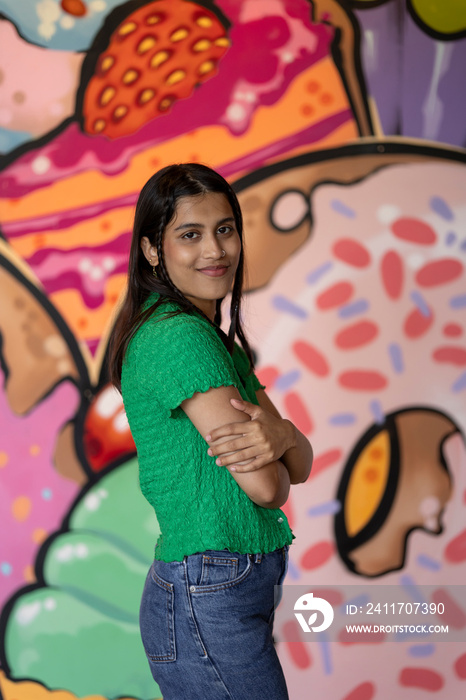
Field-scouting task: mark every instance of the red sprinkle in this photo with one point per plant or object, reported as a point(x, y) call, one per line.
point(454, 615)
point(360, 333)
point(312, 358)
point(334, 296)
point(362, 380)
point(324, 460)
point(298, 412)
point(391, 269)
point(347, 637)
point(77, 8)
point(334, 597)
point(317, 555)
point(414, 231)
point(365, 691)
point(416, 324)
point(453, 355)
point(452, 330)
point(351, 252)
point(455, 551)
point(460, 667)
point(439, 272)
point(421, 678)
point(267, 376)
point(299, 652)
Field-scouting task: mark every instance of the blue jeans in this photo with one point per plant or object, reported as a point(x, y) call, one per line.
point(206, 625)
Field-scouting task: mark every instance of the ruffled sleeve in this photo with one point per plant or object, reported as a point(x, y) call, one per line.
point(178, 356)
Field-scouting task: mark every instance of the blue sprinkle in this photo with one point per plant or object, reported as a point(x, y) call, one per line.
point(458, 302)
point(421, 650)
point(396, 356)
point(441, 208)
point(353, 309)
point(412, 589)
point(460, 383)
point(342, 419)
point(450, 238)
point(293, 571)
point(319, 272)
point(343, 209)
point(328, 508)
point(6, 568)
point(420, 303)
point(283, 304)
point(377, 411)
point(463, 245)
point(46, 494)
point(287, 380)
point(324, 647)
point(409, 636)
point(428, 563)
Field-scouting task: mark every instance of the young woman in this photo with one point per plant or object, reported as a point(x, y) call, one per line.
point(216, 459)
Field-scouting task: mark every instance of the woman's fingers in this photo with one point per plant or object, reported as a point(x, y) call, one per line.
point(237, 443)
point(252, 465)
point(242, 455)
point(238, 428)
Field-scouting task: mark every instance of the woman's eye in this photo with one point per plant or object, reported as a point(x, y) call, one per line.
point(224, 230)
point(190, 235)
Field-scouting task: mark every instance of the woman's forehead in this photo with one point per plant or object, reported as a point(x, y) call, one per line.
point(205, 207)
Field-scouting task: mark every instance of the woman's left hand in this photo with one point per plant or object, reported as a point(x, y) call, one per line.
point(258, 442)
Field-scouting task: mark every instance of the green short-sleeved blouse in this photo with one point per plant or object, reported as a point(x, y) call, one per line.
point(198, 504)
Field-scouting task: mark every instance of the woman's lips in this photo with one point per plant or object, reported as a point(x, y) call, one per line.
point(214, 271)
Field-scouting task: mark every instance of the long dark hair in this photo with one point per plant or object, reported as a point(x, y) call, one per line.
point(155, 209)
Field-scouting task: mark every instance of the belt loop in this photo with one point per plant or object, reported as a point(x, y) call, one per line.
point(258, 558)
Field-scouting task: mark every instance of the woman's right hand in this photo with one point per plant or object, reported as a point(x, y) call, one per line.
point(268, 485)
point(247, 446)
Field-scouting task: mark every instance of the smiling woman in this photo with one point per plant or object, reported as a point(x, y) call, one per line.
point(215, 458)
point(201, 249)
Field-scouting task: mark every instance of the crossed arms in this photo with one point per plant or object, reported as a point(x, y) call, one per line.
point(263, 452)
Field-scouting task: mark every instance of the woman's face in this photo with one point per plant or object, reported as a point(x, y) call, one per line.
point(203, 227)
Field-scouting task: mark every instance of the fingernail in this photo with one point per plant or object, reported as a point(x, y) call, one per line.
point(208, 437)
point(219, 462)
point(209, 452)
point(232, 469)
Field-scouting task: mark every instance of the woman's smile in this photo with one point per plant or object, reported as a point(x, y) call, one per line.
point(214, 271)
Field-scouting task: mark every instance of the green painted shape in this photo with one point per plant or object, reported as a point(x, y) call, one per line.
point(58, 640)
point(95, 570)
point(115, 508)
point(81, 631)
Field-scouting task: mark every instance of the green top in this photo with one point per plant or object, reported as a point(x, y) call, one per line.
point(198, 504)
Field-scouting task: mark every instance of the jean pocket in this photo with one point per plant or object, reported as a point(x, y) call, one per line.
point(220, 572)
point(157, 619)
point(218, 568)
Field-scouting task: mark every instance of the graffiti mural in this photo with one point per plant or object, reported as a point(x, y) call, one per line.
point(341, 126)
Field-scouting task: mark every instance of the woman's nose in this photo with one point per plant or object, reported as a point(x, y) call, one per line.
point(212, 247)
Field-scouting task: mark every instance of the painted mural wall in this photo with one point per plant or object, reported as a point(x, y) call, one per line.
point(342, 126)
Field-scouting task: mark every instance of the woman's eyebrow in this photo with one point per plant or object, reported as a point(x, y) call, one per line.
point(226, 220)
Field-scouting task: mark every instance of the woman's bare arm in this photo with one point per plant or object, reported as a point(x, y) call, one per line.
point(297, 458)
point(268, 486)
point(267, 437)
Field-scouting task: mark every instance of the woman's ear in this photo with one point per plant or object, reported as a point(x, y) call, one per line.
point(149, 251)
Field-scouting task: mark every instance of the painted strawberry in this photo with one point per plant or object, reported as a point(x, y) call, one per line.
point(156, 55)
